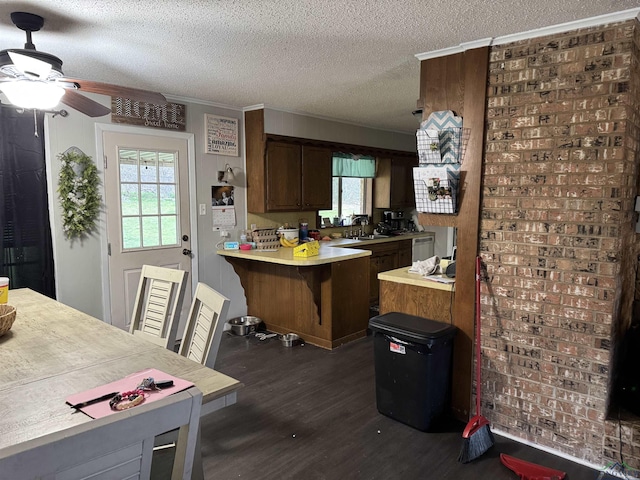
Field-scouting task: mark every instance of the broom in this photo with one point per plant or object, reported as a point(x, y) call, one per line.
point(477, 437)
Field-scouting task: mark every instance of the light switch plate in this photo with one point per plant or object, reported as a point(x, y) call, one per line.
point(203, 209)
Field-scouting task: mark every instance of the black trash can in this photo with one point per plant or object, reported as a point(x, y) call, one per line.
point(412, 357)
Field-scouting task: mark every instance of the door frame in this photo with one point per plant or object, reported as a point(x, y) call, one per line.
point(193, 217)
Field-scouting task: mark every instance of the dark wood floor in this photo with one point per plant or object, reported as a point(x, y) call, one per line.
point(309, 413)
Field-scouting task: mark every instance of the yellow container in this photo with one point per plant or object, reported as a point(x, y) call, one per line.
point(4, 289)
point(308, 249)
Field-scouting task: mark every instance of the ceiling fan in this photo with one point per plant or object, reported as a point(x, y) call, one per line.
point(34, 79)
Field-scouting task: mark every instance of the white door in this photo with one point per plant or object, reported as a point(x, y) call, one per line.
point(147, 211)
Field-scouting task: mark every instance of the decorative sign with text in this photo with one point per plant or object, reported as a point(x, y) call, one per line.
point(221, 135)
point(170, 116)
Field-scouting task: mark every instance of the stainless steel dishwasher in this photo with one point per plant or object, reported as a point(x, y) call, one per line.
point(422, 247)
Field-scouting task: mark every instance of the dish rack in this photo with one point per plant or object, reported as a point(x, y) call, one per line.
point(266, 239)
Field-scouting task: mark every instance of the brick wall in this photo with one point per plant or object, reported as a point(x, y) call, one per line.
point(560, 176)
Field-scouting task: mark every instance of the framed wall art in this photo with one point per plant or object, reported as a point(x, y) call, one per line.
point(221, 135)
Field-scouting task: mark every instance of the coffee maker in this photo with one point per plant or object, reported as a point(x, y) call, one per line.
point(395, 218)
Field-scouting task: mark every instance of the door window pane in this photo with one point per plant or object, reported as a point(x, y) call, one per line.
point(129, 199)
point(149, 197)
point(150, 232)
point(128, 165)
point(131, 233)
point(167, 162)
point(149, 167)
point(150, 212)
point(169, 232)
point(167, 199)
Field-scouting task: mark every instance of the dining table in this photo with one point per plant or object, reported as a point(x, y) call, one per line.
point(53, 351)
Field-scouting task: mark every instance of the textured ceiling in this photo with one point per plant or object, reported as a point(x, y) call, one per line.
point(351, 60)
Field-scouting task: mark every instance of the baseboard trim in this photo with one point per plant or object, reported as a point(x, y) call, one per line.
point(552, 451)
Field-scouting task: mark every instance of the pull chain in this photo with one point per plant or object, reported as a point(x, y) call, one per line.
point(35, 123)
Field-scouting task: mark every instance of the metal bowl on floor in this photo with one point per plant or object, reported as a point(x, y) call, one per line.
point(290, 339)
point(244, 325)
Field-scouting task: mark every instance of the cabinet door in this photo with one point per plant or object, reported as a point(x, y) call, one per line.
point(404, 253)
point(283, 176)
point(388, 261)
point(383, 263)
point(316, 178)
point(374, 283)
point(402, 183)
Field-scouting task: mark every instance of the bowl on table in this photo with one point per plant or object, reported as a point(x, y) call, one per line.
point(7, 317)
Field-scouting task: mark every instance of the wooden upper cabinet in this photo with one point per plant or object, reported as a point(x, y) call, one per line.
point(298, 177)
point(394, 183)
point(316, 178)
point(402, 183)
point(283, 174)
point(295, 174)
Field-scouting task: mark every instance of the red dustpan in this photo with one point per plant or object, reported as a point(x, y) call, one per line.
point(530, 471)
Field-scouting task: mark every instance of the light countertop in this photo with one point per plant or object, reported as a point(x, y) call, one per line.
point(330, 251)
point(402, 275)
point(284, 256)
point(354, 242)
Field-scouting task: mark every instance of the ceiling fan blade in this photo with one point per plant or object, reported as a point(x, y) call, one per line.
point(30, 66)
point(83, 104)
point(119, 91)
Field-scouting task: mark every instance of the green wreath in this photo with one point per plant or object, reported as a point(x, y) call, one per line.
point(78, 192)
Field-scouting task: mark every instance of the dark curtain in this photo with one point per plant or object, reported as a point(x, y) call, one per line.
point(26, 253)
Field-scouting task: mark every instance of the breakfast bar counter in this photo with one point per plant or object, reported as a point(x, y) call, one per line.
point(406, 292)
point(284, 256)
point(323, 298)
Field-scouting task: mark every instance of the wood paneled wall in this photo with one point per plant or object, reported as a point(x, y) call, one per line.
point(459, 83)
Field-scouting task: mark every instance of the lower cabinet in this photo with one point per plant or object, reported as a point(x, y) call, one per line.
point(405, 255)
point(380, 262)
point(326, 304)
point(384, 257)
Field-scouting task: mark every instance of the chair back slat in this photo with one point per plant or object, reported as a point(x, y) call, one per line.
point(205, 323)
point(158, 303)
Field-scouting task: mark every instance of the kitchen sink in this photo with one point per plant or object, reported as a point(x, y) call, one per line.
point(372, 237)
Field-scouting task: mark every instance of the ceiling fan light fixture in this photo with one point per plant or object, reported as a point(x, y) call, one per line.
point(32, 93)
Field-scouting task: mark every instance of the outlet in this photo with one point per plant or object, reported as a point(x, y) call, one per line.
point(203, 209)
point(224, 233)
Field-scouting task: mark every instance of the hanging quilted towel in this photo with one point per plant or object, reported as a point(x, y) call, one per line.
point(436, 188)
point(449, 128)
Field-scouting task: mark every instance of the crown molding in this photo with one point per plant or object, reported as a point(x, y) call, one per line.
point(453, 50)
point(197, 101)
point(538, 32)
point(320, 117)
point(258, 106)
point(565, 27)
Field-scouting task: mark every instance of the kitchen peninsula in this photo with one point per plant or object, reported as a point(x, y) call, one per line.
point(324, 299)
point(405, 292)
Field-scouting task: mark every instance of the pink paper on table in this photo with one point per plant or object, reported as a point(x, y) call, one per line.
point(130, 382)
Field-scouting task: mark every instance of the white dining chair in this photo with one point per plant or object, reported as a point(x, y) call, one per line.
point(201, 343)
point(158, 304)
point(115, 446)
point(205, 323)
